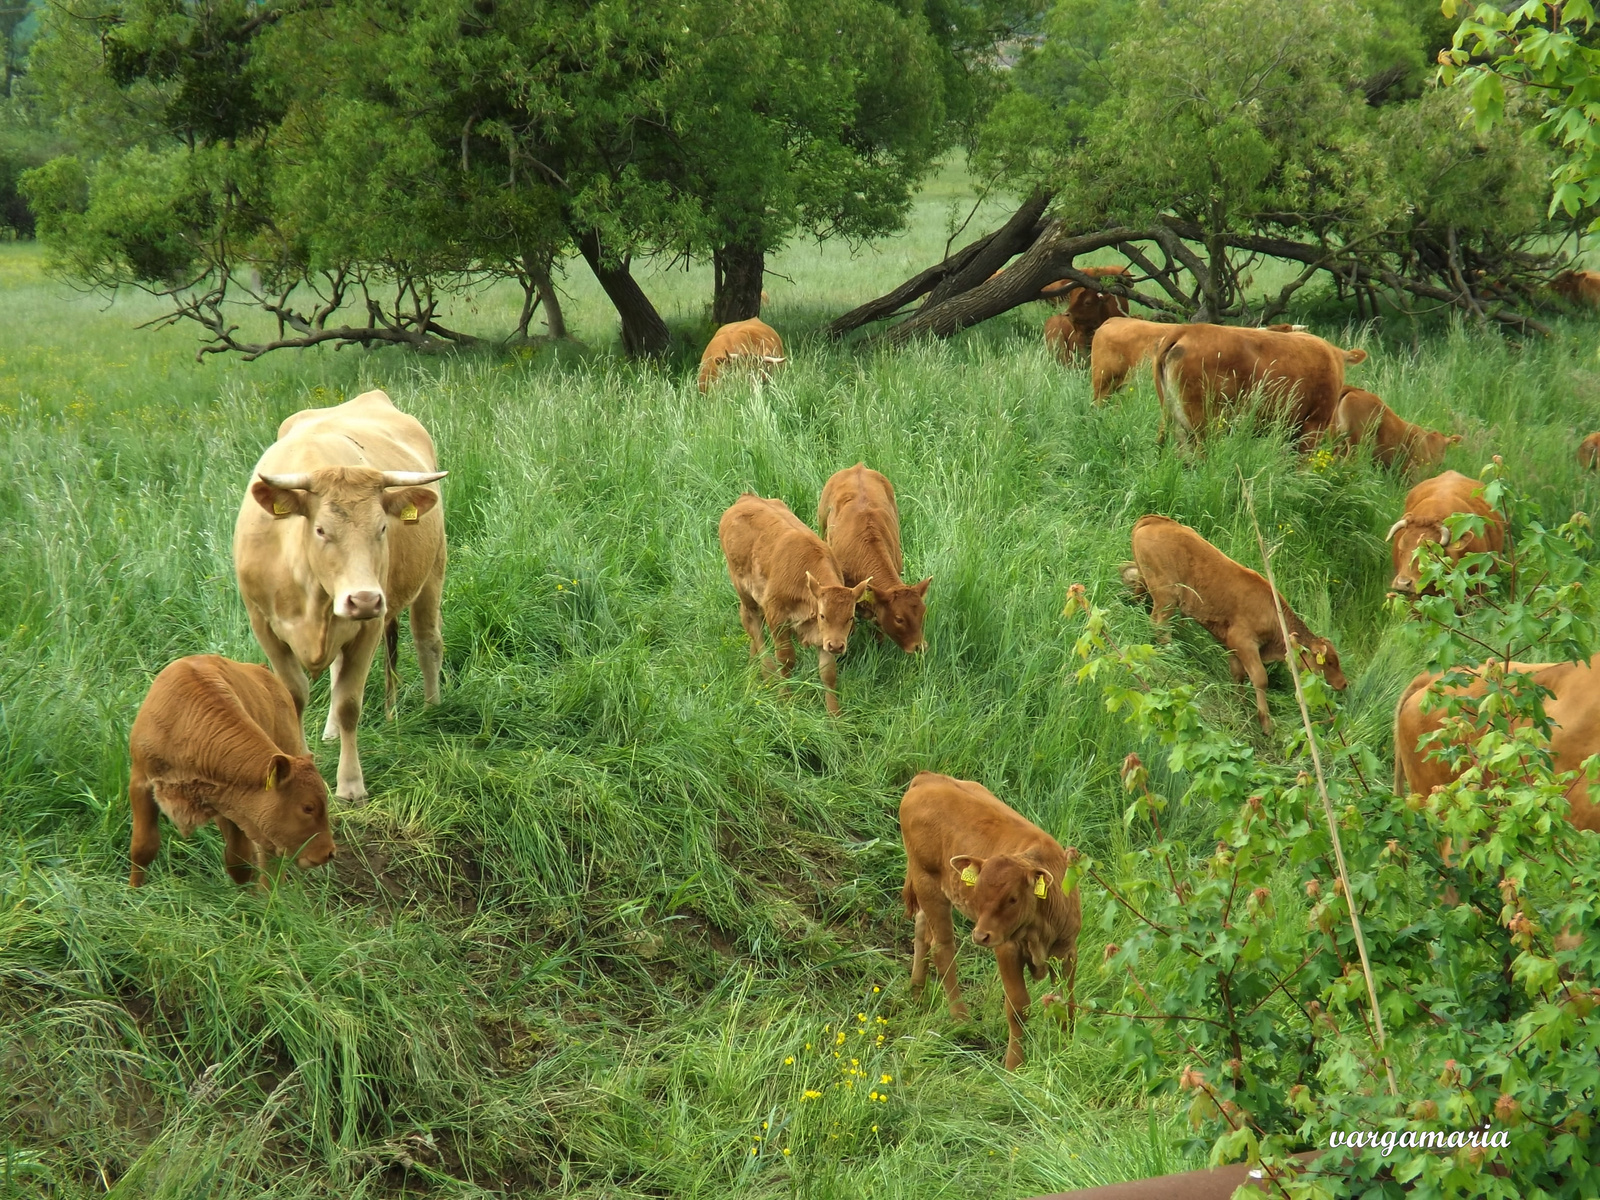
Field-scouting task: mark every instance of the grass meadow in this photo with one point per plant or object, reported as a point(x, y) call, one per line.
point(619, 906)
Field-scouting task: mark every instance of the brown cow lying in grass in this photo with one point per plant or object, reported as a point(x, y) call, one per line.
point(752, 343)
point(218, 740)
point(788, 578)
point(1574, 712)
point(1185, 573)
point(1365, 418)
point(966, 850)
point(1427, 506)
point(1204, 373)
point(858, 515)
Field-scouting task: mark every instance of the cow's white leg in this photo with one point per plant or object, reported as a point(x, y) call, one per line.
point(284, 664)
point(426, 637)
point(330, 727)
point(349, 682)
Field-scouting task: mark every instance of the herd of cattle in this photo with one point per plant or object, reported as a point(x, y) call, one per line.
point(341, 530)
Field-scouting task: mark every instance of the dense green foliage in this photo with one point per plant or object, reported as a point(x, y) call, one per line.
point(616, 880)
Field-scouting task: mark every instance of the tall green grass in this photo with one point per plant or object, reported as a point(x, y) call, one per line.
point(616, 880)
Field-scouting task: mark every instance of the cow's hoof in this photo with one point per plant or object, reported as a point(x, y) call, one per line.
point(1013, 1059)
point(960, 1012)
point(354, 796)
point(330, 733)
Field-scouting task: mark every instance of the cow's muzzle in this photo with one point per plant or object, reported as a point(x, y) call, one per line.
point(983, 937)
point(361, 606)
point(1406, 587)
point(834, 647)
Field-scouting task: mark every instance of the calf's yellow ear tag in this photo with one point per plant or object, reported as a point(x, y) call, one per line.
point(281, 507)
point(272, 777)
point(969, 876)
point(408, 514)
point(1039, 887)
point(1322, 660)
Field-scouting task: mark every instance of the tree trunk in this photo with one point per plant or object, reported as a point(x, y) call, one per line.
point(737, 293)
point(554, 319)
point(1049, 259)
point(1016, 235)
point(1013, 238)
point(644, 333)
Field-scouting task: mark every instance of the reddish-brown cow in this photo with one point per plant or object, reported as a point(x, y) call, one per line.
point(1204, 372)
point(1363, 417)
point(966, 850)
point(1580, 287)
point(218, 740)
point(859, 517)
point(1070, 334)
point(751, 343)
point(1427, 506)
point(1122, 343)
point(1589, 452)
point(786, 576)
point(1185, 573)
point(1574, 712)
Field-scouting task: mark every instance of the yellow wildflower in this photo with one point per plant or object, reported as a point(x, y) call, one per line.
point(810, 1094)
point(887, 1079)
point(786, 1149)
point(789, 1062)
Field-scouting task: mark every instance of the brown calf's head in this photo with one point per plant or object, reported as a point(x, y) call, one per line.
point(347, 512)
point(900, 610)
point(291, 812)
point(1428, 448)
point(1319, 655)
point(1409, 535)
point(1007, 891)
point(835, 612)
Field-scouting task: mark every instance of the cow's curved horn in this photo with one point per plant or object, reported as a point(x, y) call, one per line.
point(1444, 535)
point(292, 483)
point(411, 478)
point(1394, 529)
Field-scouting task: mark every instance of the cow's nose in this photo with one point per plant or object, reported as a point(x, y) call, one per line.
point(982, 938)
point(834, 647)
point(1404, 586)
point(363, 606)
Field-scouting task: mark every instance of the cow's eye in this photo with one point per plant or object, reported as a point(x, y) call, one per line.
point(310, 810)
point(321, 532)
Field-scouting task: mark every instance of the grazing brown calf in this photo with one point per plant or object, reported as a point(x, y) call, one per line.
point(1185, 573)
point(1580, 287)
point(1574, 712)
point(1363, 417)
point(1204, 372)
point(1122, 343)
point(786, 576)
point(1589, 452)
point(966, 850)
point(1069, 334)
point(858, 516)
point(1427, 506)
point(752, 343)
point(218, 740)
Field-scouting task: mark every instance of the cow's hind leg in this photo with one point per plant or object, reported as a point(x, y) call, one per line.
point(146, 841)
point(783, 644)
point(349, 681)
point(751, 618)
point(238, 852)
point(426, 636)
point(919, 955)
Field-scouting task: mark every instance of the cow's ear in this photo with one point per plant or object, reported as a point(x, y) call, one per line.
point(279, 502)
point(921, 589)
point(409, 503)
point(1453, 439)
point(811, 585)
point(968, 867)
point(1042, 880)
point(1355, 356)
point(860, 589)
point(278, 768)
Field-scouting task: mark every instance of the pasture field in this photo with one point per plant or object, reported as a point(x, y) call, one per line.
point(618, 906)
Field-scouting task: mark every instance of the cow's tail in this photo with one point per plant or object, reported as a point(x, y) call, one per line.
point(391, 665)
point(1165, 364)
point(909, 895)
point(1402, 786)
point(1133, 580)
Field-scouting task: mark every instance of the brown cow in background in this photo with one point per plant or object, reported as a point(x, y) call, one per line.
point(1070, 334)
point(1589, 452)
point(1365, 418)
point(1580, 287)
point(752, 343)
point(1185, 573)
point(218, 740)
point(1204, 372)
point(968, 851)
point(786, 576)
point(858, 515)
point(1427, 507)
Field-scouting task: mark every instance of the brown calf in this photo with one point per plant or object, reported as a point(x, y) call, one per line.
point(1589, 452)
point(1427, 506)
point(1363, 417)
point(1580, 287)
point(858, 516)
point(218, 740)
point(752, 342)
point(1122, 343)
point(786, 576)
point(1069, 334)
point(966, 850)
point(1204, 372)
point(1574, 712)
point(1185, 573)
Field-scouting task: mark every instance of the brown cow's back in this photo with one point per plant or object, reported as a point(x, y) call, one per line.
point(1574, 712)
point(1120, 345)
point(751, 339)
point(858, 515)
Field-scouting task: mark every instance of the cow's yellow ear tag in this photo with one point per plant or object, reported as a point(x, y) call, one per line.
point(969, 876)
point(1322, 660)
point(281, 507)
point(1039, 887)
point(408, 514)
point(272, 777)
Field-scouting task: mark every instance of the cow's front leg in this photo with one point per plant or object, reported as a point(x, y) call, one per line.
point(330, 727)
point(783, 644)
point(349, 682)
point(238, 852)
point(828, 669)
point(1008, 957)
point(284, 663)
point(426, 635)
point(941, 935)
point(1249, 656)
